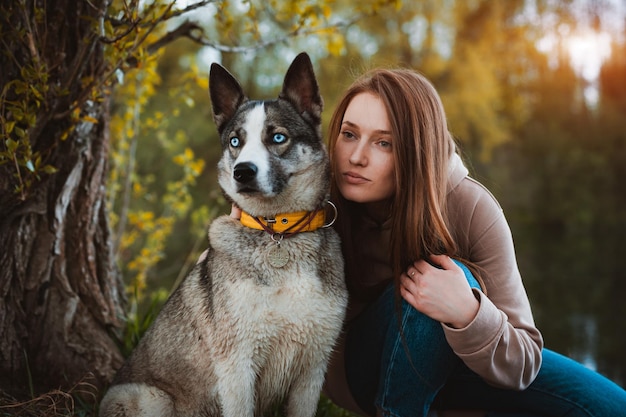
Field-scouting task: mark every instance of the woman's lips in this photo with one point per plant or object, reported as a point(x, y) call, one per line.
point(353, 178)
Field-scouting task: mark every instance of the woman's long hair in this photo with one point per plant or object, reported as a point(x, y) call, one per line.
point(422, 147)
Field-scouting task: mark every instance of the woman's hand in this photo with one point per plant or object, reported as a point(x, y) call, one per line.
point(235, 212)
point(442, 294)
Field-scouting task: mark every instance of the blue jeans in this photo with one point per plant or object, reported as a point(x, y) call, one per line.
point(382, 376)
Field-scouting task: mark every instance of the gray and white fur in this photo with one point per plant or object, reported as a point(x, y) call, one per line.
point(239, 335)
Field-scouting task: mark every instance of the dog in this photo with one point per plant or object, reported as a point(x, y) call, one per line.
point(255, 322)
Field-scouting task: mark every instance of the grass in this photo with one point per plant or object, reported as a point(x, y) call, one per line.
point(80, 400)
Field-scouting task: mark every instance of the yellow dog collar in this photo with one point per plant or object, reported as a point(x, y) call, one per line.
point(300, 221)
point(283, 222)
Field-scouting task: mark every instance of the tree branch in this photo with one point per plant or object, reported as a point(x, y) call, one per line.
point(184, 30)
point(196, 33)
point(191, 7)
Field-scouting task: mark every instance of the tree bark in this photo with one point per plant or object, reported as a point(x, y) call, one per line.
point(61, 295)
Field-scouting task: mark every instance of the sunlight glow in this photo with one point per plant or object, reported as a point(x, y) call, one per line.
point(588, 51)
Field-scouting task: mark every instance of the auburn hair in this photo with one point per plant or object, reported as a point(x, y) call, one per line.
point(422, 147)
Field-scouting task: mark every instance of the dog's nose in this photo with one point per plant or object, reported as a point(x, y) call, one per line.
point(244, 172)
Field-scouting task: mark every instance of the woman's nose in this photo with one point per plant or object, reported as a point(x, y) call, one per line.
point(359, 154)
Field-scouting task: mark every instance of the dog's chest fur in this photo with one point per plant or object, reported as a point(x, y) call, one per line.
point(297, 293)
point(281, 317)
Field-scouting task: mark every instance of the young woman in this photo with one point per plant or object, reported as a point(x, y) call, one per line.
point(421, 331)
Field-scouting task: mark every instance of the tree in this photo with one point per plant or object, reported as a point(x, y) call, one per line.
point(60, 289)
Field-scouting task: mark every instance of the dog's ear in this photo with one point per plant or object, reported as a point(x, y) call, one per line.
point(301, 90)
point(226, 95)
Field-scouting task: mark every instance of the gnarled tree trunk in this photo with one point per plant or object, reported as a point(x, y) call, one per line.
point(60, 293)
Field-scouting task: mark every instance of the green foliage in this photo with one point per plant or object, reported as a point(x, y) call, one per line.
point(325, 408)
point(22, 102)
point(31, 99)
point(143, 211)
point(559, 181)
point(138, 322)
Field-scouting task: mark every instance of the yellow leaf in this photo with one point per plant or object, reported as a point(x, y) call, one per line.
point(335, 44)
point(197, 167)
point(90, 119)
point(326, 11)
point(8, 126)
point(202, 82)
point(137, 188)
point(179, 160)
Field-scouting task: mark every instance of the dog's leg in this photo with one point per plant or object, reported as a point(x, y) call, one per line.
point(236, 379)
point(136, 400)
point(305, 393)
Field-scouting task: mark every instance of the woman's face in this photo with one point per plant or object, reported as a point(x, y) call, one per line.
point(363, 157)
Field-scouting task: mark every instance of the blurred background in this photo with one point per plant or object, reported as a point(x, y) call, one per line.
point(535, 93)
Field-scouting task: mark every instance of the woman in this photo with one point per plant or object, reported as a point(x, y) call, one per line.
point(421, 332)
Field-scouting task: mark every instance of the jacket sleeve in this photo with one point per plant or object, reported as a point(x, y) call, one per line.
point(501, 344)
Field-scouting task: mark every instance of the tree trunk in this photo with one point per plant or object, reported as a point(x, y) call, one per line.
point(60, 292)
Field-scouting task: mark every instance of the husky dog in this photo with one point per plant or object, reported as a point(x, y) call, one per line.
point(256, 320)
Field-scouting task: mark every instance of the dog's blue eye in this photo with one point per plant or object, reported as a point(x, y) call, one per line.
point(234, 142)
point(279, 138)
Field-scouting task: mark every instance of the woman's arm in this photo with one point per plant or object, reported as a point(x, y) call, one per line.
point(501, 343)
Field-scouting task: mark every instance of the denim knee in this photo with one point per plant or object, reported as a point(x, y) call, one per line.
point(414, 362)
point(473, 282)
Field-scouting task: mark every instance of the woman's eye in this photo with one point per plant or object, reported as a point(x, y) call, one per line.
point(235, 142)
point(384, 144)
point(279, 138)
point(347, 134)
